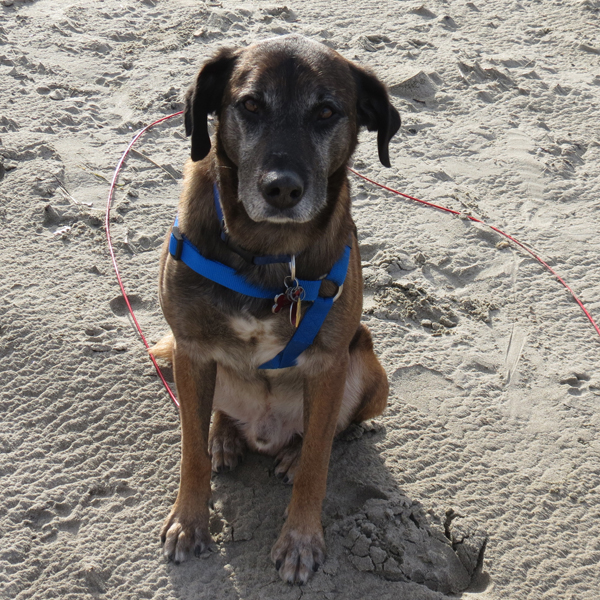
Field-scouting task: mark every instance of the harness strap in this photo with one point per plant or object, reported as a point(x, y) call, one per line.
point(182, 249)
point(312, 321)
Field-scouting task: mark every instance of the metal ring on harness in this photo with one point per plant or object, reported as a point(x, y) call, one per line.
point(339, 292)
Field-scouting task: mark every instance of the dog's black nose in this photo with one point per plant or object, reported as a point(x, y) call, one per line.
point(282, 189)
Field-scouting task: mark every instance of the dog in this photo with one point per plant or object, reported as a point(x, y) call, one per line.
point(288, 112)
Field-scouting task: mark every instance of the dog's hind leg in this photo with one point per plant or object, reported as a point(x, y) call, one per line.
point(374, 386)
point(163, 349)
point(365, 397)
point(226, 444)
point(288, 459)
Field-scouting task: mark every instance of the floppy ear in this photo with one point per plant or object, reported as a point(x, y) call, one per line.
point(375, 111)
point(205, 97)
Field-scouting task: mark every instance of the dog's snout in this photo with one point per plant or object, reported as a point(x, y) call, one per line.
point(282, 189)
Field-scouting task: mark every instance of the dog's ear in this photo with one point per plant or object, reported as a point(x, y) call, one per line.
point(375, 111)
point(205, 97)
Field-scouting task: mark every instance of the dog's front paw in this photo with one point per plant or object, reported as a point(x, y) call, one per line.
point(298, 555)
point(185, 533)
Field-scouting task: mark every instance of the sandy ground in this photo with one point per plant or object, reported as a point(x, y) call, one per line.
point(492, 427)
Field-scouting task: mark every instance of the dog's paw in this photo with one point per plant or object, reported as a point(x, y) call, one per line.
point(226, 445)
point(297, 556)
point(287, 461)
point(183, 536)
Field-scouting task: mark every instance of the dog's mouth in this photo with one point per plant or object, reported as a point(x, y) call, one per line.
point(260, 210)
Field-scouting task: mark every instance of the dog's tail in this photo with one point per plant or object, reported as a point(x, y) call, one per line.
point(163, 349)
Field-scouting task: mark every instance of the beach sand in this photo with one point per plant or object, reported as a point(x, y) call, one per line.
point(483, 474)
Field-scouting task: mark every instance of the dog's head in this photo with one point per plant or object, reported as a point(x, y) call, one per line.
point(289, 110)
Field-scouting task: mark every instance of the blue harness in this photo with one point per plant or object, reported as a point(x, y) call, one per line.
point(182, 249)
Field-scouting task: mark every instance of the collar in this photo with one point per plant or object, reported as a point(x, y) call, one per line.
point(181, 249)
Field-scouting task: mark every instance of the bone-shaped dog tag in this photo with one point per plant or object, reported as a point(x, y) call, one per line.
point(281, 301)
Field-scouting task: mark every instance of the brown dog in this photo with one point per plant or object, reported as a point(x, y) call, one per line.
point(289, 111)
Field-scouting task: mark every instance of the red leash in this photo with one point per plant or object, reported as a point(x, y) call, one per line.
point(389, 189)
point(112, 252)
point(509, 237)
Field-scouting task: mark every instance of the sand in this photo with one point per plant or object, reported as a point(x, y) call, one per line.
point(483, 474)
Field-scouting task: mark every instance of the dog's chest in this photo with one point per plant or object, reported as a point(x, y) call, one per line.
point(269, 412)
point(255, 341)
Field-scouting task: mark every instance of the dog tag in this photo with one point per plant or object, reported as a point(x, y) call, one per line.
point(292, 296)
point(293, 313)
point(295, 308)
point(298, 311)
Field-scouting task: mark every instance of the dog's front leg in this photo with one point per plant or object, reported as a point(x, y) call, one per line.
point(300, 549)
point(186, 528)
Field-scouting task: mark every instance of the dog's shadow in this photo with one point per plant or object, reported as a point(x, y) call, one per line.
point(379, 541)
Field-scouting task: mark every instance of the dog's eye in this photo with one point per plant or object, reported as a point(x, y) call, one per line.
point(325, 113)
point(251, 106)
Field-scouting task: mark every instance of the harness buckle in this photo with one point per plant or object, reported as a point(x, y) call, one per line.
point(179, 248)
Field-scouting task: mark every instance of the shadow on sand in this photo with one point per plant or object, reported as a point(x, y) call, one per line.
point(380, 543)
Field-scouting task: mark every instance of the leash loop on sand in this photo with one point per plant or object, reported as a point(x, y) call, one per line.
point(112, 252)
point(389, 189)
point(506, 235)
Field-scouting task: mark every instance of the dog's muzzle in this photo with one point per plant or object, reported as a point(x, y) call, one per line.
point(282, 189)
